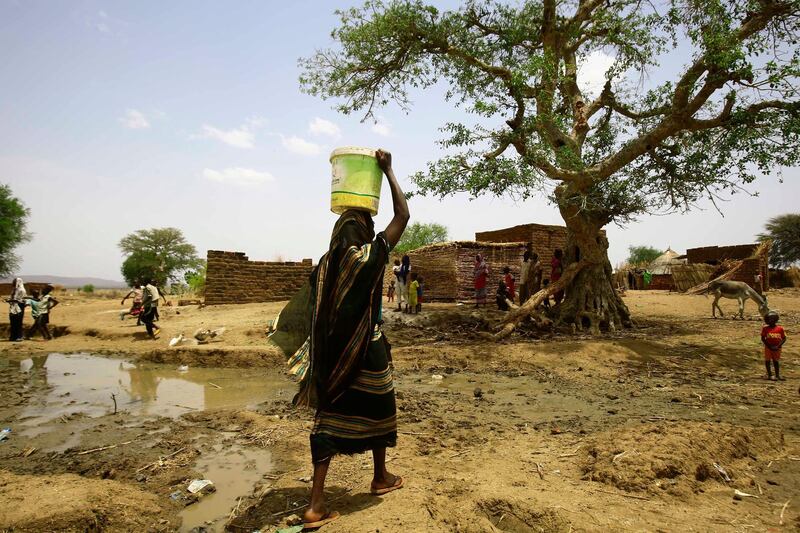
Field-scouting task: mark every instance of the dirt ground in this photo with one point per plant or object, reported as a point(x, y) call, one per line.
point(651, 429)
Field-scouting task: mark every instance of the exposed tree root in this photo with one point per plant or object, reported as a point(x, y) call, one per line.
point(529, 308)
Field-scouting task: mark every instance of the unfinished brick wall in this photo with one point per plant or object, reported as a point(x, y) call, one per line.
point(751, 266)
point(5, 288)
point(231, 278)
point(447, 268)
point(714, 255)
point(544, 238)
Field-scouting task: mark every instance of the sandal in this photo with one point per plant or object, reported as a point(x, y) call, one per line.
point(398, 484)
point(327, 519)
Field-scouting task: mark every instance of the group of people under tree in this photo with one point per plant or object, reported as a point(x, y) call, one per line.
point(531, 280)
point(145, 306)
point(40, 304)
point(407, 286)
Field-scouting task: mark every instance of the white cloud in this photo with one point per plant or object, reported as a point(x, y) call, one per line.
point(320, 126)
point(134, 120)
point(300, 146)
point(238, 176)
point(381, 127)
point(592, 72)
point(241, 137)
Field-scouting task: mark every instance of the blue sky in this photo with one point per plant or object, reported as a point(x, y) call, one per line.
point(121, 116)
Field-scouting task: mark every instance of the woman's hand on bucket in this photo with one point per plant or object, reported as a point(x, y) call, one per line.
point(384, 160)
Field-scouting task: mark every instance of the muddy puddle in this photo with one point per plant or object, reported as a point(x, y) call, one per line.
point(234, 471)
point(83, 384)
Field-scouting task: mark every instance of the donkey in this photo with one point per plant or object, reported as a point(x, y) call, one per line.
point(735, 290)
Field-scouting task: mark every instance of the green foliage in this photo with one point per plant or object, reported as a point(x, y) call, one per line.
point(420, 234)
point(642, 255)
point(196, 279)
point(784, 232)
point(731, 113)
point(13, 219)
point(160, 254)
point(88, 288)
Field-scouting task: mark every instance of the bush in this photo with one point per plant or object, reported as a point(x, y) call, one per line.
point(88, 288)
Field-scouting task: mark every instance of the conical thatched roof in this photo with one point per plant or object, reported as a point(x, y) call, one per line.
point(663, 263)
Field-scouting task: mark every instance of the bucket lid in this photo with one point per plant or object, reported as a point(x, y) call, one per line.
point(353, 150)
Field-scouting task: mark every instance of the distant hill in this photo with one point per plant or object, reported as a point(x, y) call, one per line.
point(69, 282)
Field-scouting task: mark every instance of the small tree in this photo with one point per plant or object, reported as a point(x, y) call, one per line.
point(421, 234)
point(649, 140)
point(160, 254)
point(13, 220)
point(642, 255)
point(196, 279)
point(88, 288)
point(784, 232)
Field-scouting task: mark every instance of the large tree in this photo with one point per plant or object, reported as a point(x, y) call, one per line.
point(13, 220)
point(784, 233)
point(160, 254)
point(727, 112)
point(420, 234)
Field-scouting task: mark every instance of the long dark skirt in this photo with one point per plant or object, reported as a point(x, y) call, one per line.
point(364, 417)
point(15, 320)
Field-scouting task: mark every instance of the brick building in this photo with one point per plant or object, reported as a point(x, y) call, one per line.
point(751, 264)
point(447, 268)
point(544, 238)
point(231, 278)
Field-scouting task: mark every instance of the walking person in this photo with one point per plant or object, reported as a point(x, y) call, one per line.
point(150, 309)
point(40, 311)
point(16, 309)
point(481, 278)
point(332, 332)
point(137, 292)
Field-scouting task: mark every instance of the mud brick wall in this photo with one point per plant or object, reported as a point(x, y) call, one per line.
point(544, 238)
point(742, 252)
point(748, 271)
point(716, 254)
point(231, 278)
point(5, 288)
point(661, 282)
point(447, 268)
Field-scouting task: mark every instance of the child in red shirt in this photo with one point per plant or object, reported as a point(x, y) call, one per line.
point(510, 283)
point(774, 337)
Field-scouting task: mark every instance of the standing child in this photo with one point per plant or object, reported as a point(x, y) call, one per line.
point(413, 298)
point(33, 303)
point(502, 297)
point(390, 292)
point(774, 337)
point(509, 280)
point(44, 305)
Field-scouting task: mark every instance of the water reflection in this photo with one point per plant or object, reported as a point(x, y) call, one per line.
point(83, 383)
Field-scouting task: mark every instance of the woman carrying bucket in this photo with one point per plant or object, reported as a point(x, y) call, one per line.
point(331, 331)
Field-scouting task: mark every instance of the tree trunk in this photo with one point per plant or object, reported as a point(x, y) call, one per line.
point(590, 302)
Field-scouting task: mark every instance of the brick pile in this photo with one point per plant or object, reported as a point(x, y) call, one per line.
point(544, 238)
point(447, 268)
point(231, 278)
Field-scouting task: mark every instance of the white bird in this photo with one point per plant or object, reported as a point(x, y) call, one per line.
point(204, 335)
point(182, 340)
